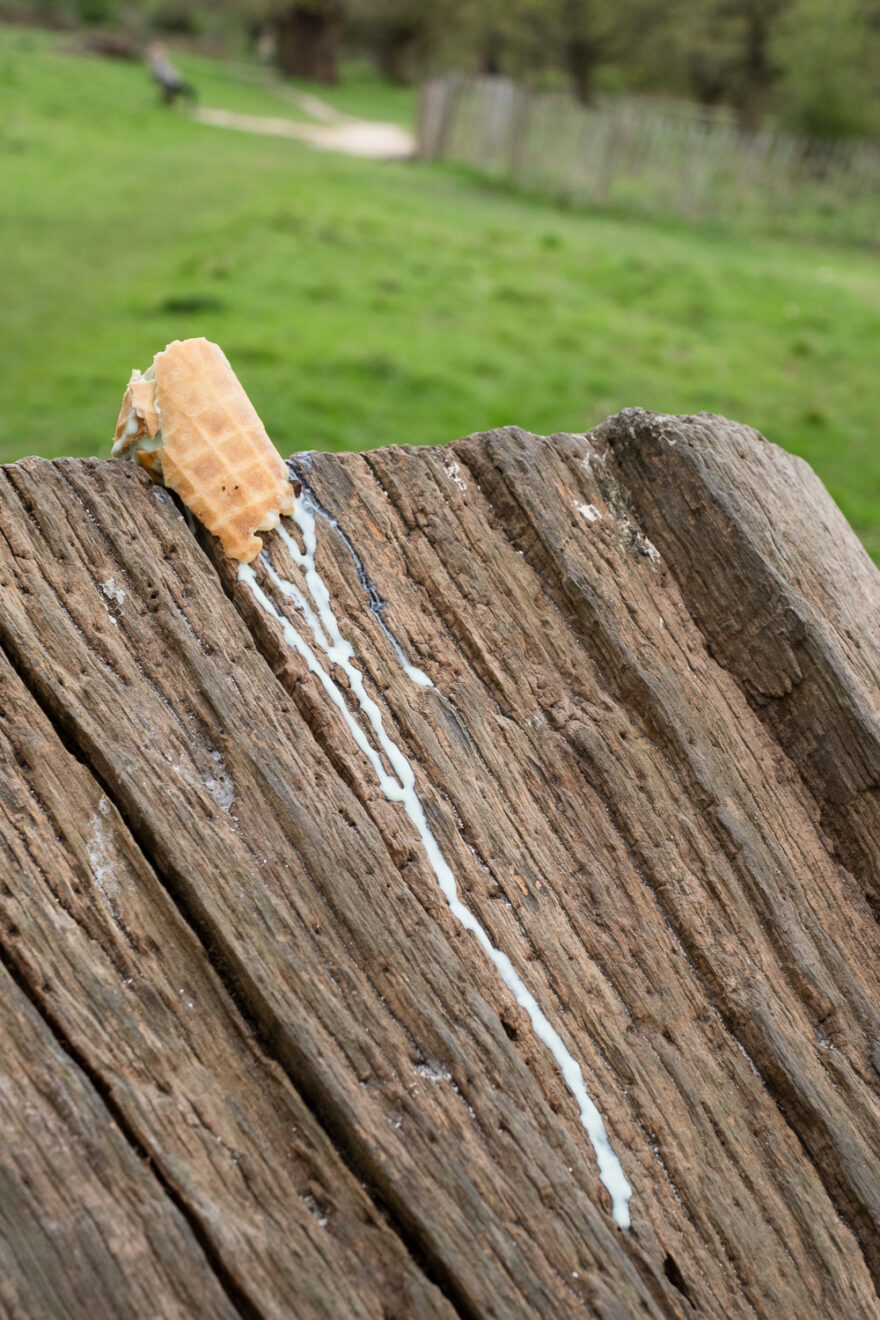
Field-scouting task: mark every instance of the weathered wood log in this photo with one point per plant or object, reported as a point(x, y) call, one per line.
point(128, 989)
point(648, 754)
point(84, 1226)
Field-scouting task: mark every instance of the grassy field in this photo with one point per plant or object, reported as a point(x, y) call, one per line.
point(365, 304)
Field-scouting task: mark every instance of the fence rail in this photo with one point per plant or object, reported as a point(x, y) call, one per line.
point(656, 158)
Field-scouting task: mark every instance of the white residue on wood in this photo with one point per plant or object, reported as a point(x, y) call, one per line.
point(433, 1072)
point(588, 511)
point(102, 859)
point(647, 548)
point(215, 778)
point(113, 597)
point(452, 470)
point(218, 783)
point(112, 591)
point(397, 782)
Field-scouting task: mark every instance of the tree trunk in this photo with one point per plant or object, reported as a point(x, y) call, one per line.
point(308, 43)
point(490, 62)
point(581, 59)
point(709, 80)
point(294, 945)
point(758, 72)
point(397, 51)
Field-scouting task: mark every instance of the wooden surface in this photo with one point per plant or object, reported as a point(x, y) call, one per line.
point(254, 1066)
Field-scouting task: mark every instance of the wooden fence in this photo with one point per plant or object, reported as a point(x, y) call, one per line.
point(659, 158)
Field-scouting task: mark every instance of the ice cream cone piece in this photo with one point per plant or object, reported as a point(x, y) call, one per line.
point(138, 418)
point(214, 450)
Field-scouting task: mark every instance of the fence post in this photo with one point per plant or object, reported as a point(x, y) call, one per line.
point(608, 164)
point(519, 131)
point(453, 86)
point(429, 112)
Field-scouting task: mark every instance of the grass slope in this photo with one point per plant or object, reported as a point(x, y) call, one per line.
point(365, 304)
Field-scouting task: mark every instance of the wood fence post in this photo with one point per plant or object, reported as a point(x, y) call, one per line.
point(515, 957)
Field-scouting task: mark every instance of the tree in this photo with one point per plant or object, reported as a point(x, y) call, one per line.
point(727, 51)
point(583, 41)
point(756, 69)
point(308, 34)
point(497, 35)
point(583, 37)
point(400, 34)
point(827, 55)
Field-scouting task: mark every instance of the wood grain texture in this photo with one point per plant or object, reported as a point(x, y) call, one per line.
point(619, 813)
point(86, 924)
point(354, 987)
point(785, 595)
point(85, 1228)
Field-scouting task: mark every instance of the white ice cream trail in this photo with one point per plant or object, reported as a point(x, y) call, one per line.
point(377, 604)
point(397, 783)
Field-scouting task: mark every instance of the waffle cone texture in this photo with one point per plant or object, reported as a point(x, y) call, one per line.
point(189, 423)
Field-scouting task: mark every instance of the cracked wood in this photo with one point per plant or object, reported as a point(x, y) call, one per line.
point(621, 815)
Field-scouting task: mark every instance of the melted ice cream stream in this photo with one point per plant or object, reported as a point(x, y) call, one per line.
point(376, 603)
point(397, 782)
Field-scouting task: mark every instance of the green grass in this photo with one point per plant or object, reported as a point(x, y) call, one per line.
point(365, 304)
point(363, 95)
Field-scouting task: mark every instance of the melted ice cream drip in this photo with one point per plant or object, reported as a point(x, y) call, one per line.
point(399, 786)
point(377, 604)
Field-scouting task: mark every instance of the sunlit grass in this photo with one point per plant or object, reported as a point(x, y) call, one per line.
point(366, 304)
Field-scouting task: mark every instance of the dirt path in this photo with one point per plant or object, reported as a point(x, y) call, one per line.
point(335, 132)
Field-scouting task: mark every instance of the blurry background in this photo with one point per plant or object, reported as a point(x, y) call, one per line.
point(664, 203)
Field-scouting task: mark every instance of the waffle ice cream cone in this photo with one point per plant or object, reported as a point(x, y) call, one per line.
point(188, 421)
